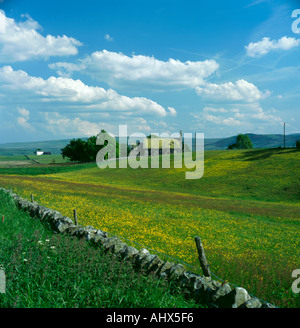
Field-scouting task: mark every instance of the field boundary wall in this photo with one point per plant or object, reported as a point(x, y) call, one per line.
point(204, 290)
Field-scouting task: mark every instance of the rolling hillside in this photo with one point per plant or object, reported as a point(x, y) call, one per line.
point(28, 148)
point(245, 208)
point(258, 140)
point(55, 146)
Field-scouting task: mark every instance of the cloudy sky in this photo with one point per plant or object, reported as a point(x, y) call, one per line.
point(71, 68)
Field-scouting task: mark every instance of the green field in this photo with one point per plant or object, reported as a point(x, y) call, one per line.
point(246, 209)
point(22, 160)
point(47, 270)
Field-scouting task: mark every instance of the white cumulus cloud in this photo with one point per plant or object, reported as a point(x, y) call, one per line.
point(107, 37)
point(22, 41)
point(76, 93)
point(249, 115)
point(23, 119)
point(117, 68)
point(172, 111)
point(260, 48)
point(70, 126)
point(215, 110)
point(241, 90)
point(229, 121)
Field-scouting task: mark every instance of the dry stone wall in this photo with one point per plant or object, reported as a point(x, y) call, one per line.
point(204, 290)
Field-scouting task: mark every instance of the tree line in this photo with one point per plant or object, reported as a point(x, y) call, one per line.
point(79, 150)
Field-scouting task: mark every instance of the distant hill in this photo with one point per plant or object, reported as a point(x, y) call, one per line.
point(55, 146)
point(258, 141)
point(27, 148)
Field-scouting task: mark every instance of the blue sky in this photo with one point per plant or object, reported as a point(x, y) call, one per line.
point(69, 68)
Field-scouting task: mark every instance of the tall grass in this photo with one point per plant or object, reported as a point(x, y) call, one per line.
point(47, 270)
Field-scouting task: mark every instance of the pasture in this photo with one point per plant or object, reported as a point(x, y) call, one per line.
point(246, 209)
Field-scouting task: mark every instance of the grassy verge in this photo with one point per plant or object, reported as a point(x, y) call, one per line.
point(45, 270)
point(49, 159)
point(44, 169)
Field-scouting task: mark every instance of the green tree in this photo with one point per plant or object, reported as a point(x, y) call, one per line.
point(78, 150)
point(75, 150)
point(298, 144)
point(242, 142)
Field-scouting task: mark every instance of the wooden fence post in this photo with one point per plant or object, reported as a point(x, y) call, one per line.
point(75, 216)
point(32, 199)
point(202, 258)
point(2, 218)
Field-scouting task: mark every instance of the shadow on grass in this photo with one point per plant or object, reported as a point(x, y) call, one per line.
point(258, 154)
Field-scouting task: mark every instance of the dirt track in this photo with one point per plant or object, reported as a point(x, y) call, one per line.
point(14, 163)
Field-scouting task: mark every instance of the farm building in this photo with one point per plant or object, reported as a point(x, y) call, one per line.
point(159, 146)
point(40, 152)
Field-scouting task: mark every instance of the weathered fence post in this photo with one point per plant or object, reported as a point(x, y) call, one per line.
point(32, 199)
point(2, 218)
point(75, 217)
point(202, 258)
